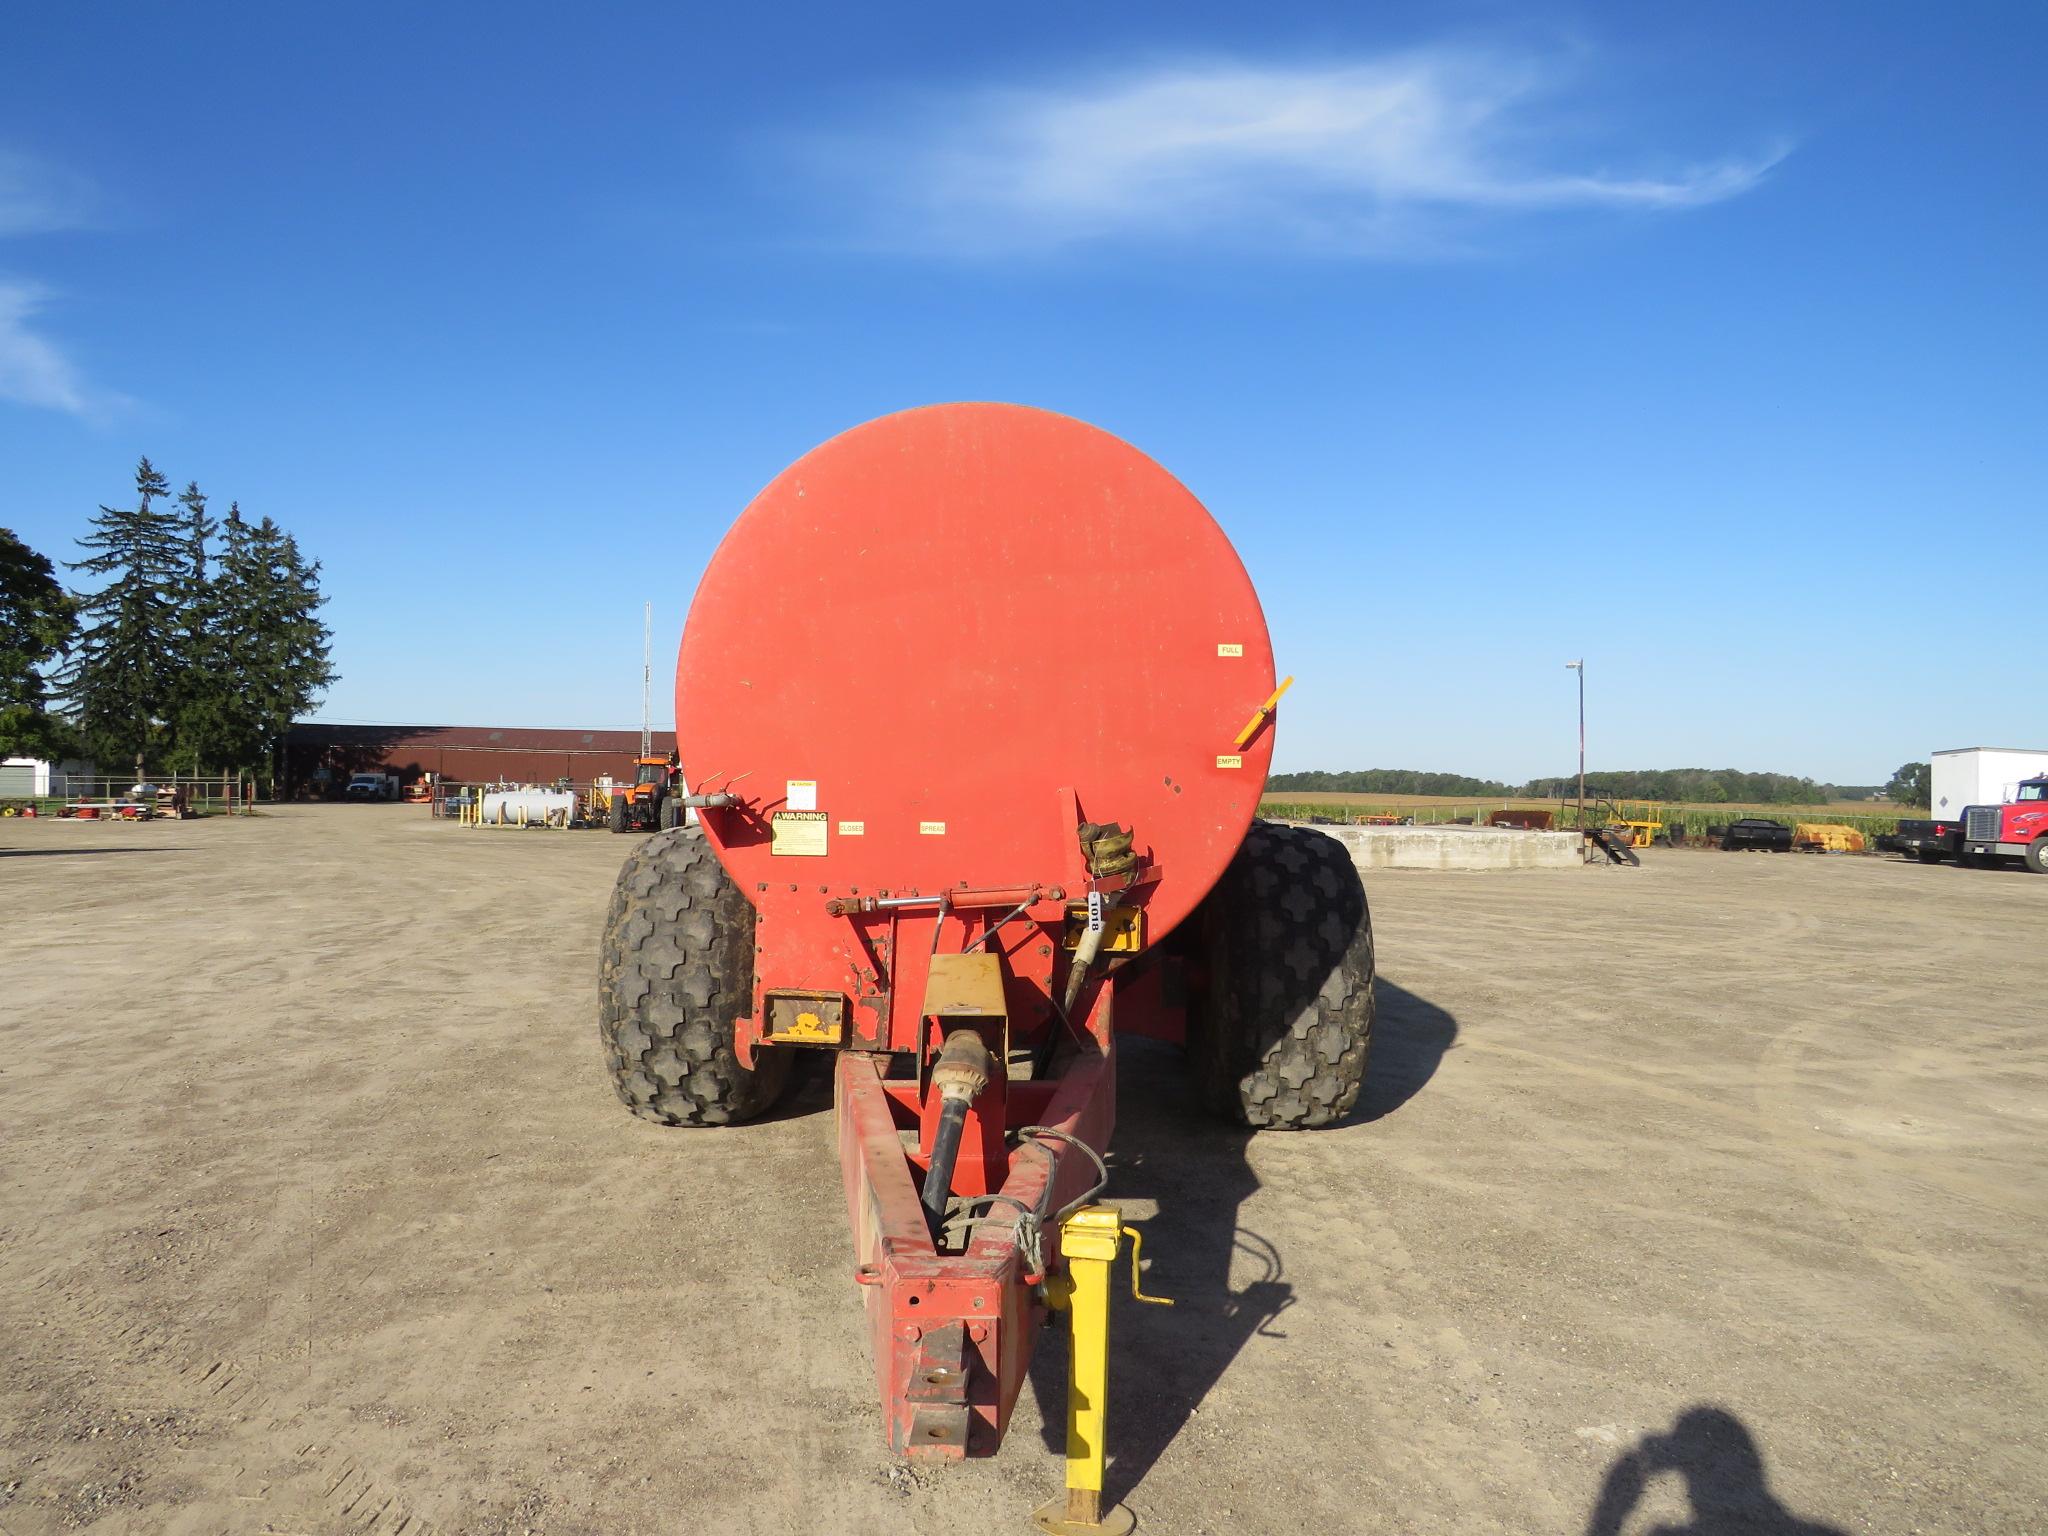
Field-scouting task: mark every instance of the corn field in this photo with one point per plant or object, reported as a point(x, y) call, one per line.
point(1693, 820)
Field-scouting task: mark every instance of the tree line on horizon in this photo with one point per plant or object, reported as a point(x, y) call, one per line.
point(188, 656)
point(1707, 786)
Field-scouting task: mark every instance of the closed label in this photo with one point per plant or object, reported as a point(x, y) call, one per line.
point(932, 828)
point(1230, 760)
point(853, 829)
point(801, 834)
point(1229, 650)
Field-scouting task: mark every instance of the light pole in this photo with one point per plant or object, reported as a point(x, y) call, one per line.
point(1579, 667)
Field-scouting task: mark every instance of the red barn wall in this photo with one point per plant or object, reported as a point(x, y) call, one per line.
point(466, 754)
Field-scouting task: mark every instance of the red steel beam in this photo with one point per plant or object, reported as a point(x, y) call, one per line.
point(952, 1333)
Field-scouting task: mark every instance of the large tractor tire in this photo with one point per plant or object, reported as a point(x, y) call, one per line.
point(669, 814)
point(615, 818)
point(677, 969)
point(1280, 1021)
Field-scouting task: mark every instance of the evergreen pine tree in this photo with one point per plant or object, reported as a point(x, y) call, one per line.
point(38, 619)
point(272, 643)
point(121, 683)
point(226, 723)
point(307, 654)
point(197, 743)
point(198, 529)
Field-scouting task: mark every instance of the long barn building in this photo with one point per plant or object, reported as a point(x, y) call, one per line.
point(318, 756)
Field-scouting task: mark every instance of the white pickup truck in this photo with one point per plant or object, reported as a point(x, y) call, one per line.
point(372, 786)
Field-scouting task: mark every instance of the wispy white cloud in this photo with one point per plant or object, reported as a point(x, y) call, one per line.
point(1390, 156)
point(33, 370)
point(37, 198)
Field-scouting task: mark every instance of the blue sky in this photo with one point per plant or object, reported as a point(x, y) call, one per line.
point(1705, 342)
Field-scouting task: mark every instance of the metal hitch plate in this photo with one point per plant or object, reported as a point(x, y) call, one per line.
point(806, 1018)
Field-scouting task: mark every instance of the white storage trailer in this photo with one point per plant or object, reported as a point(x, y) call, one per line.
point(1965, 776)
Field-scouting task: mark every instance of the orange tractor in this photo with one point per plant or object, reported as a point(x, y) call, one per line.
point(650, 803)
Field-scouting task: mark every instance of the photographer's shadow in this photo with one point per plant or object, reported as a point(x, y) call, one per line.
point(1717, 1458)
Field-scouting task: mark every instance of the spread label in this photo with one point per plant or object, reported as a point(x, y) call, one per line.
point(932, 828)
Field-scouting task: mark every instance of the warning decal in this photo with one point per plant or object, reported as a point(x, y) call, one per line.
point(800, 833)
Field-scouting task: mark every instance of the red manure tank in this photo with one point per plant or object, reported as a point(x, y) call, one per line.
point(975, 704)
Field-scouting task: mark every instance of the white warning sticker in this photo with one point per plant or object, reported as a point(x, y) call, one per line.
point(801, 795)
point(798, 833)
point(932, 828)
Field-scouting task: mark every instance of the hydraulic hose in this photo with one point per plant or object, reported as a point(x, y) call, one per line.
point(1085, 954)
point(961, 1071)
point(938, 1179)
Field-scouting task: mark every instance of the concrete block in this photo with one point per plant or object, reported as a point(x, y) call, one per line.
point(1449, 847)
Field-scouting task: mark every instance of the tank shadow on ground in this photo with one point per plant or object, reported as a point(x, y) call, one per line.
point(1718, 1459)
point(1168, 1150)
point(79, 853)
point(1410, 1037)
point(1228, 1282)
point(1165, 1361)
point(809, 1091)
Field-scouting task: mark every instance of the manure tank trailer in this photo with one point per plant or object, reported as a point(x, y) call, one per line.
point(977, 703)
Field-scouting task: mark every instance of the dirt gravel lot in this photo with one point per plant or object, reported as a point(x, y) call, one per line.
point(1709, 1194)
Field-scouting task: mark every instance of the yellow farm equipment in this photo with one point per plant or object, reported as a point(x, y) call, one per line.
point(1826, 837)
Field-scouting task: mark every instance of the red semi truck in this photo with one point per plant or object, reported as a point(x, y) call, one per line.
point(1987, 803)
point(2017, 829)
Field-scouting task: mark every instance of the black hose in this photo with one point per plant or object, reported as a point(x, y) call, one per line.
point(938, 1177)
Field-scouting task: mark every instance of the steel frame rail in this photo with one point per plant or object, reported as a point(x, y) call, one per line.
point(952, 1333)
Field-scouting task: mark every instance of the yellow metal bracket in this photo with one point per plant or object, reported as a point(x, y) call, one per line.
point(1137, 1242)
point(1089, 1239)
point(805, 1018)
point(1124, 929)
point(1263, 713)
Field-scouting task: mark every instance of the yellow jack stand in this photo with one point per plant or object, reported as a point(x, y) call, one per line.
point(1089, 1239)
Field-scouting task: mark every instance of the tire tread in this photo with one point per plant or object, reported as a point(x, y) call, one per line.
point(1280, 1039)
point(674, 974)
